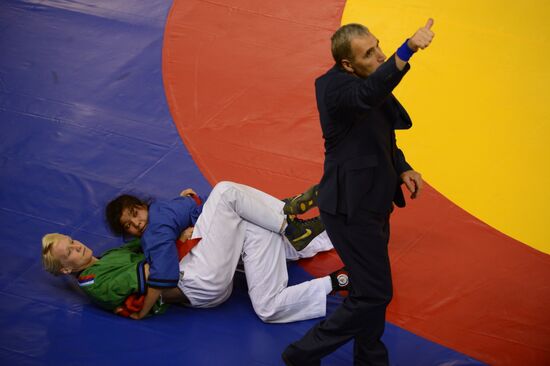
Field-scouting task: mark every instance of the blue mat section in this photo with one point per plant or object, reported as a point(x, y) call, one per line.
point(83, 117)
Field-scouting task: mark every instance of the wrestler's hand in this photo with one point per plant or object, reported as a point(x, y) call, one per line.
point(413, 181)
point(188, 192)
point(186, 234)
point(151, 297)
point(422, 38)
point(137, 316)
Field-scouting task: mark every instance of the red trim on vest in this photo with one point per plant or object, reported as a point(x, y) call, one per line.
point(185, 247)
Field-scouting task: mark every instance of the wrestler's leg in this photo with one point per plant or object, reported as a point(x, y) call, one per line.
point(207, 271)
point(321, 243)
point(265, 211)
point(266, 273)
point(250, 204)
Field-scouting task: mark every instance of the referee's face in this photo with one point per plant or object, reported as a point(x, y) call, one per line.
point(134, 220)
point(367, 56)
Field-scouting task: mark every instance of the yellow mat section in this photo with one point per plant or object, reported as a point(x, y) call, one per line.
point(479, 100)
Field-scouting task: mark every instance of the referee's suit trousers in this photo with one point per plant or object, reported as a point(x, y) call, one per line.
point(362, 244)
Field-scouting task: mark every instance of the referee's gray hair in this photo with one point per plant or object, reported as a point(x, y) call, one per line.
point(341, 40)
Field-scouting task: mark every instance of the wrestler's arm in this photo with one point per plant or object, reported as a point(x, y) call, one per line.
point(153, 293)
point(175, 295)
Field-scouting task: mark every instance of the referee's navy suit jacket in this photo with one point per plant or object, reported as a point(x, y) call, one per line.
point(362, 162)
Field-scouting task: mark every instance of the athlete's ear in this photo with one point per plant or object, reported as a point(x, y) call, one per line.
point(346, 65)
point(65, 270)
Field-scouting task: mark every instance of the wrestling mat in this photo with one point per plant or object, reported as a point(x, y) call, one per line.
point(103, 97)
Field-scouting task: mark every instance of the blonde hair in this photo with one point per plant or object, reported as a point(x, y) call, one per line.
point(50, 263)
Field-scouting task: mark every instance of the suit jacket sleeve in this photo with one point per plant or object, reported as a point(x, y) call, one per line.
point(363, 94)
point(401, 164)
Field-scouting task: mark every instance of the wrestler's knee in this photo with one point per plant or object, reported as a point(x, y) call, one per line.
point(229, 192)
point(224, 185)
point(222, 188)
point(265, 310)
point(267, 316)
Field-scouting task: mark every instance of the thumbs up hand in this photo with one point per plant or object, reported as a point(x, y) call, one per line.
point(422, 38)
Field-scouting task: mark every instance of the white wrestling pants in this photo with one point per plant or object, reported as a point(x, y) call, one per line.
point(240, 221)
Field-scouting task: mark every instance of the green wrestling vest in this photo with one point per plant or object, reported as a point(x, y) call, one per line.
point(118, 274)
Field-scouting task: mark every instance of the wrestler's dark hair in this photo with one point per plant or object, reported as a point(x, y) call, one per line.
point(341, 41)
point(114, 209)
